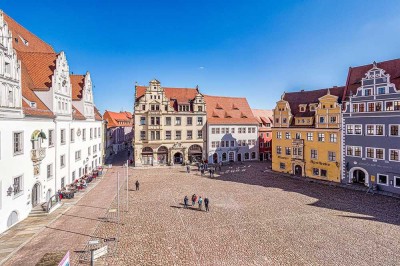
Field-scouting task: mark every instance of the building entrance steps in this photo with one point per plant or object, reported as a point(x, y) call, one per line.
point(12, 240)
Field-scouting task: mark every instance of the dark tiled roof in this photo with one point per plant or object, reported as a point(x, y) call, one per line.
point(355, 74)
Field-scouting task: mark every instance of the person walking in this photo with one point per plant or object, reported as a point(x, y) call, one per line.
point(200, 202)
point(220, 166)
point(206, 202)
point(137, 184)
point(188, 169)
point(194, 198)
point(185, 202)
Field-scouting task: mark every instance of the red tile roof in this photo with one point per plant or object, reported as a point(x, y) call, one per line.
point(238, 110)
point(355, 74)
point(97, 115)
point(76, 114)
point(182, 95)
point(34, 43)
point(121, 119)
point(77, 82)
point(40, 67)
point(263, 116)
point(27, 84)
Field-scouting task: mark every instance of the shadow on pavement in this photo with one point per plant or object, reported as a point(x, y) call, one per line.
point(380, 208)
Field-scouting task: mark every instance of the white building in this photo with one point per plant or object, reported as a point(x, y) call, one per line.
point(232, 130)
point(50, 131)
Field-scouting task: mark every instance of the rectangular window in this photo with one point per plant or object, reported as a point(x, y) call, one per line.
point(310, 136)
point(357, 129)
point(17, 185)
point(287, 135)
point(63, 136)
point(316, 171)
point(189, 121)
point(357, 151)
point(361, 107)
point(177, 121)
point(287, 151)
point(394, 130)
point(314, 154)
point(51, 138)
point(379, 129)
point(63, 182)
point(278, 149)
point(394, 155)
point(321, 137)
point(389, 106)
point(371, 153)
point(240, 130)
point(324, 173)
point(397, 181)
point(167, 135)
point(367, 92)
point(189, 134)
point(332, 119)
point(233, 130)
point(199, 120)
point(77, 155)
point(379, 154)
point(91, 133)
point(142, 135)
point(73, 177)
point(49, 171)
point(84, 134)
point(232, 143)
point(278, 134)
point(331, 156)
point(370, 130)
point(72, 135)
point(282, 165)
point(178, 135)
point(213, 131)
point(298, 135)
point(168, 121)
point(371, 107)
point(217, 130)
point(62, 161)
point(349, 151)
point(378, 106)
point(381, 90)
point(350, 129)
point(333, 137)
point(199, 134)
point(383, 179)
point(200, 108)
point(18, 140)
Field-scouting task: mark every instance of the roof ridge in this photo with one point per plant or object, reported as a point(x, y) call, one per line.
point(37, 52)
point(378, 62)
point(234, 97)
point(16, 22)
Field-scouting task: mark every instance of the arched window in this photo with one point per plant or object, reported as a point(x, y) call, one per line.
point(224, 156)
point(12, 219)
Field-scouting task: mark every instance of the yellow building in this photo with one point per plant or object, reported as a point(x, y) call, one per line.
point(306, 135)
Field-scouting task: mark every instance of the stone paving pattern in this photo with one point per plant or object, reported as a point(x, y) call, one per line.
point(256, 218)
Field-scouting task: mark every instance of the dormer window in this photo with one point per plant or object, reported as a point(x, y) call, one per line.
point(302, 108)
point(381, 90)
point(32, 105)
point(200, 108)
point(321, 120)
point(367, 92)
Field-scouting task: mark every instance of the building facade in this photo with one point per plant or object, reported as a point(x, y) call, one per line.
point(371, 126)
point(306, 135)
point(169, 125)
point(119, 131)
point(49, 127)
point(265, 120)
point(232, 130)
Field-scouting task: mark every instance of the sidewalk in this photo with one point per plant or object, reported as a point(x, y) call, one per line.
point(18, 236)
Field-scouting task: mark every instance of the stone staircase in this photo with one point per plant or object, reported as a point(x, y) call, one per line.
point(37, 212)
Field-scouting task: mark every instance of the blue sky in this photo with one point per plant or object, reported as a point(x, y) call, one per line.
point(256, 49)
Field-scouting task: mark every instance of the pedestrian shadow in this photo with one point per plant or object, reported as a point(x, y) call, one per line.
point(188, 208)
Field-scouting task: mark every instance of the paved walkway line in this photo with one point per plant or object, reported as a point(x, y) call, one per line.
point(44, 225)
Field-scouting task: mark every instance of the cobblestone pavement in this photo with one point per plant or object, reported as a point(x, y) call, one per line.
point(256, 218)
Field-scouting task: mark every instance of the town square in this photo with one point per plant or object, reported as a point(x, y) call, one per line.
point(206, 132)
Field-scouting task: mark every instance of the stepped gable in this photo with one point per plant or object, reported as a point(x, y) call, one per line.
point(356, 74)
point(77, 83)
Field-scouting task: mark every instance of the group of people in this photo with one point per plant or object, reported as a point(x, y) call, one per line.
point(199, 201)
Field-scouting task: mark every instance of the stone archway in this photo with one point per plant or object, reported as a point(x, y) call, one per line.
point(358, 175)
point(195, 153)
point(178, 158)
point(298, 170)
point(147, 156)
point(162, 155)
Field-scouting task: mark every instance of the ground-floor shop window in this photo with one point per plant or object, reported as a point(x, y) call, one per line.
point(397, 181)
point(383, 179)
point(315, 171)
point(324, 173)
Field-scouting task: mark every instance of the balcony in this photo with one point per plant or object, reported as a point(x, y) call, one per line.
point(38, 155)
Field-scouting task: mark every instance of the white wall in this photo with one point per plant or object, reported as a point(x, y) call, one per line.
point(236, 137)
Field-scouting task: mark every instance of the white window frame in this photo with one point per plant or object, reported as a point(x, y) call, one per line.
point(390, 134)
point(398, 150)
point(21, 144)
point(51, 171)
point(394, 181)
point(387, 179)
point(375, 126)
point(310, 136)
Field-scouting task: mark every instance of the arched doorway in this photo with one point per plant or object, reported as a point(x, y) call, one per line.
point(162, 155)
point(36, 194)
point(12, 219)
point(178, 158)
point(147, 156)
point(224, 157)
point(239, 157)
point(215, 158)
point(359, 176)
point(195, 153)
point(298, 170)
